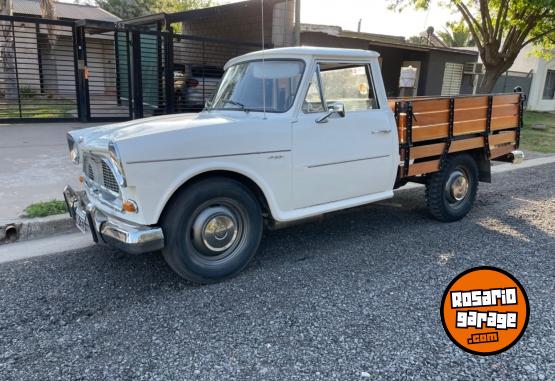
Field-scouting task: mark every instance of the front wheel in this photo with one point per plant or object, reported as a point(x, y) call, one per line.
point(212, 230)
point(450, 193)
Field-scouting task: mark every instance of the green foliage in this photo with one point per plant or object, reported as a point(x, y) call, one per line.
point(538, 140)
point(27, 92)
point(456, 34)
point(418, 40)
point(135, 8)
point(43, 209)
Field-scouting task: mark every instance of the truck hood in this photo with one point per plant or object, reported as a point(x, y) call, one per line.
point(170, 137)
point(97, 138)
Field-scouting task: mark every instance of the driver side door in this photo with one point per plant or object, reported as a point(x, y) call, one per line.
point(346, 156)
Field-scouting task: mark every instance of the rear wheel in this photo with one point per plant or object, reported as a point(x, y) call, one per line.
point(450, 193)
point(212, 230)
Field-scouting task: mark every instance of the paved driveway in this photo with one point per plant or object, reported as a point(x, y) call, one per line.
point(359, 292)
point(34, 165)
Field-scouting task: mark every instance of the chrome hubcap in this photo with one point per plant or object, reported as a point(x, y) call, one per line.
point(215, 230)
point(457, 186)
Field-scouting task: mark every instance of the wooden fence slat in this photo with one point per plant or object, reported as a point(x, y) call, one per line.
point(506, 99)
point(505, 137)
point(467, 144)
point(430, 118)
point(471, 102)
point(504, 110)
point(502, 151)
point(462, 115)
point(427, 150)
point(504, 122)
point(436, 131)
point(424, 167)
point(430, 105)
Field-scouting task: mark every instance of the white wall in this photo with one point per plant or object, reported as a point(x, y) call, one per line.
point(535, 101)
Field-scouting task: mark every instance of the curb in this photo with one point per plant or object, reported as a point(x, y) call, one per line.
point(34, 228)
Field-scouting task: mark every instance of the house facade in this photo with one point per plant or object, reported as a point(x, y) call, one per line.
point(439, 70)
point(542, 89)
point(45, 52)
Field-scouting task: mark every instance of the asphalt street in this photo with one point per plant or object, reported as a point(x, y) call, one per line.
point(355, 296)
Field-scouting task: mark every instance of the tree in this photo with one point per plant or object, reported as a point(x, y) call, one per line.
point(456, 35)
point(127, 9)
point(48, 11)
point(7, 51)
point(500, 29)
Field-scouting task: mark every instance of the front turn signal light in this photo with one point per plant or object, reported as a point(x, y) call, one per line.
point(130, 206)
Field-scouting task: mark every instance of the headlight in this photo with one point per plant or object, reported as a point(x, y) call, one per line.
point(115, 157)
point(73, 149)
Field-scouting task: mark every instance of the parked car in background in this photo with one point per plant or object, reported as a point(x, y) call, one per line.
point(194, 84)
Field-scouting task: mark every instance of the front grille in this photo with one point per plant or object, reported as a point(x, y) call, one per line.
point(110, 181)
point(97, 170)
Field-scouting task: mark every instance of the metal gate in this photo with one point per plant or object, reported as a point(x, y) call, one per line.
point(101, 71)
point(38, 70)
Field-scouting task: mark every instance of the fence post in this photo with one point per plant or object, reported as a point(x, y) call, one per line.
point(16, 69)
point(129, 70)
point(168, 71)
point(81, 75)
point(137, 76)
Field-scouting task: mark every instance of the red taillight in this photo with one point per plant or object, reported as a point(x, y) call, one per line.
point(191, 83)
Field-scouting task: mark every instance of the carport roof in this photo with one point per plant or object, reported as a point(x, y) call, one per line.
point(379, 39)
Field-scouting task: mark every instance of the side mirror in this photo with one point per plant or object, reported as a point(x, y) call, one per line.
point(333, 109)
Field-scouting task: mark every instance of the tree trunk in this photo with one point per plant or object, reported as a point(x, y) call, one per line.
point(490, 78)
point(8, 82)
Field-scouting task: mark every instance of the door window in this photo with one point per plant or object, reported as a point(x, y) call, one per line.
point(313, 101)
point(348, 84)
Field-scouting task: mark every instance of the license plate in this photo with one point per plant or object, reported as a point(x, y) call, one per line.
point(81, 220)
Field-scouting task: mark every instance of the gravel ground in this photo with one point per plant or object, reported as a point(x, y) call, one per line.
point(355, 296)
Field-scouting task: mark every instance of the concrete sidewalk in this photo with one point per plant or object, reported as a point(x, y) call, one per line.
point(34, 165)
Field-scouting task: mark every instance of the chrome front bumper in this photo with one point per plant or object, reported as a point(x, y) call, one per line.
point(131, 238)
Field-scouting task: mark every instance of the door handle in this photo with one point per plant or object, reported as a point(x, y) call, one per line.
point(381, 131)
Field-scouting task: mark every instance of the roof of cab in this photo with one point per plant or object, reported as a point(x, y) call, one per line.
point(307, 52)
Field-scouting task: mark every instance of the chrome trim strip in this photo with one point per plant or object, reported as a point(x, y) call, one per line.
point(347, 161)
point(206, 157)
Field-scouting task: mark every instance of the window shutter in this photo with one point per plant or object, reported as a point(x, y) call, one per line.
point(452, 78)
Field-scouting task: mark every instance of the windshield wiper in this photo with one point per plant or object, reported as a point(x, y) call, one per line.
point(235, 103)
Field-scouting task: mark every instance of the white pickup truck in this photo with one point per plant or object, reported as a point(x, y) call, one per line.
point(291, 133)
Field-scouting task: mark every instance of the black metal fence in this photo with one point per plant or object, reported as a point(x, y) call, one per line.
point(38, 69)
point(55, 70)
point(511, 79)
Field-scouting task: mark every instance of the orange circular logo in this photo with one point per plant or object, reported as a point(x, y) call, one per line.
point(485, 310)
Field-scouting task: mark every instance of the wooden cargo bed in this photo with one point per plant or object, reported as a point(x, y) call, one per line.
point(431, 128)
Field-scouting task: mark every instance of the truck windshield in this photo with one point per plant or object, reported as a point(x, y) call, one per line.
point(269, 85)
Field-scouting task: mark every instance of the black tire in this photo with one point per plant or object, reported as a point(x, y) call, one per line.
point(212, 230)
point(445, 195)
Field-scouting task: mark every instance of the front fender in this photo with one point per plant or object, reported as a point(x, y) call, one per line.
point(156, 182)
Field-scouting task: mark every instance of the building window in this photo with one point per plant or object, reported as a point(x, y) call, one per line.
point(452, 79)
point(549, 88)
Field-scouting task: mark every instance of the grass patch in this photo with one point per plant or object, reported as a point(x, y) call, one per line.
point(39, 107)
point(538, 140)
point(43, 209)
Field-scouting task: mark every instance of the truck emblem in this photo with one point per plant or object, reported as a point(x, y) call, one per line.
point(275, 157)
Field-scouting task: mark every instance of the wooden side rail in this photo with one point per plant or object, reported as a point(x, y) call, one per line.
point(431, 128)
